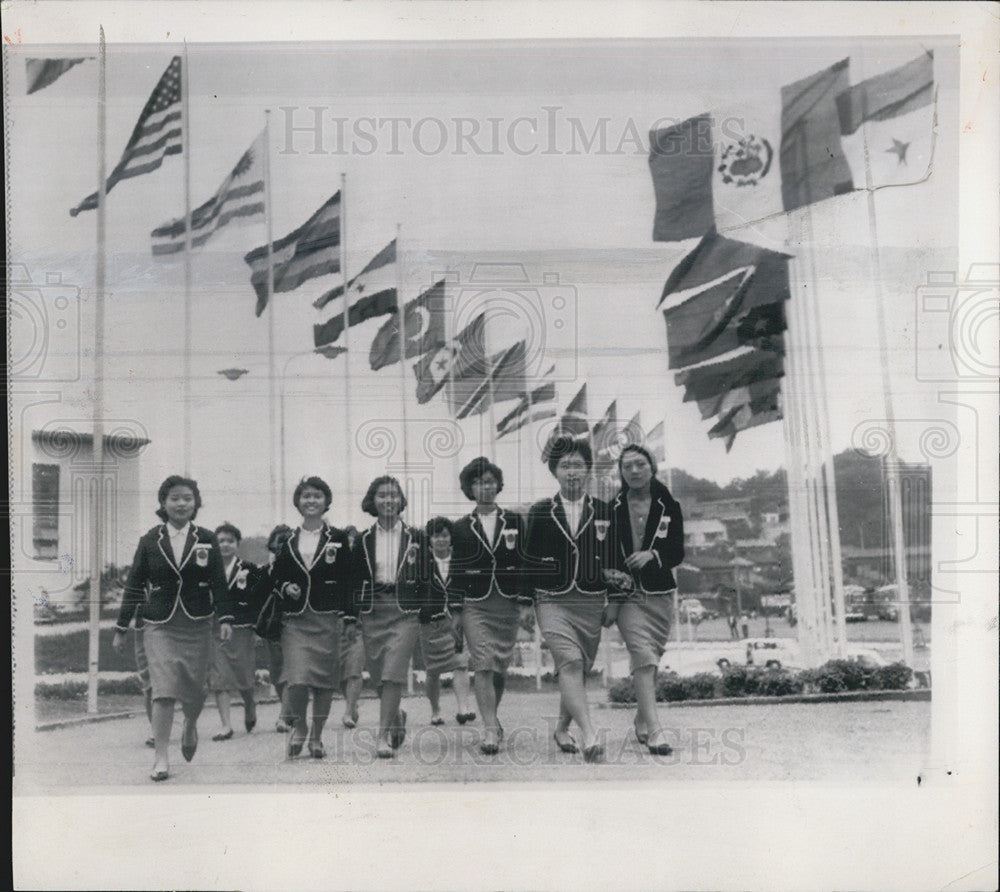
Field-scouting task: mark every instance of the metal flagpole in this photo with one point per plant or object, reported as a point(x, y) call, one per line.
point(277, 497)
point(186, 151)
point(97, 492)
point(347, 345)
point(536, 635)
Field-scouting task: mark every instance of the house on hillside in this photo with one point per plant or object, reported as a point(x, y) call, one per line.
point(704, 533)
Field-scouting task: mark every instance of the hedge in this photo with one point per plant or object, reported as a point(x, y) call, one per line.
point(754, 681)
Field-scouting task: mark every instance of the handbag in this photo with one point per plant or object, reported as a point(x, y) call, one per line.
point(269, 620)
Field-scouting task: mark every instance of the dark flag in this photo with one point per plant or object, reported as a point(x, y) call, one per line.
point(423, 328)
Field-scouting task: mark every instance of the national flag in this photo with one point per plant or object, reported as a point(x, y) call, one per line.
point(723, 403)
point(738, 369)
point(742, 164)
point(574, 422)
point(379, 274)
point(504, 380)
point(239, 198)
point(603, 436)
point(723, 295)
point(157, 134)
point(888, 120)
point(536, 405)
point(379, 304)
point(42, 73)
point(752, 414)
point(423, 327)
point(656, 443)
point(459, 358)
point(309, 251)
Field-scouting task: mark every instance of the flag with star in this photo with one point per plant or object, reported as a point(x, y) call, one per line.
point(157, 134)
point(423, 330)
point(462, 357)
point(889, 119)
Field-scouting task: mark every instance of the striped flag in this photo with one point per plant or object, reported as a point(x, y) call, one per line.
point(750, 414)
point(504, 380)
point(157, 134)
point(309, 251)
point(574, 422)
point(240, 197)
point(656, 443)
point(378, 275)
point(42, 73)
point(536, 405)
point(604, 435)
point(371, 293)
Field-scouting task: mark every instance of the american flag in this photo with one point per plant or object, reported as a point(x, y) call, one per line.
point(157, 134)
point(240, 197)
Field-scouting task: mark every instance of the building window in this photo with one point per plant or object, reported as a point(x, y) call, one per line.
point(45, 505)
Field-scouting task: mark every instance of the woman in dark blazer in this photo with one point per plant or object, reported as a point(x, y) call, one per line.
point(569, 548)
point(311, 573)
point(178, 579)
point(233, 661)
point(441, 638)
point(387, 597)
point(489, 549)
point(265, 586)
point(649, 538)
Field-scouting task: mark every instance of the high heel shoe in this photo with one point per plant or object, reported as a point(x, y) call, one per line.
point(568, 745)
point(160, 774)
point(398, 734)
point(294, 747)
point(641, 736)
point(657, 746)
point(593, 753)
point(316, 749)
point(189, 741)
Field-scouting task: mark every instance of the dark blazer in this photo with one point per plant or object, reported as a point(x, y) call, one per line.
point(483, 563)
point(159, 583)
point(664, 536)
point(244, 583)
point(557, 559)
point(440, 596)
point(409, 591)
point(323, 577)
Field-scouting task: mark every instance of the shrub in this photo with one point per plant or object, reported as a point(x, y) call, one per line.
point(894, 677)
point(77, 690)
point(670, 688)
point(779, 683)
point(622, 691)
point(839, 675)
point(739, 681)
point(701, 686)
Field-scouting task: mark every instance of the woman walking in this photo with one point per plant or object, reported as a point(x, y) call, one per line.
point(311, 574)
point(489, 549)
point(387, 598)
point(178, 579)
point(649, 538)
point(233, 663)
point(569, 547)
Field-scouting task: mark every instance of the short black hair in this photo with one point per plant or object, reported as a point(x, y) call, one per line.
point(439, 525)
point(279, 535)
point(564, 444)
point(368, 502)
point(315, 483)
point(641, 450)
point(232, 529)
point(476, 469)
point(167, 485)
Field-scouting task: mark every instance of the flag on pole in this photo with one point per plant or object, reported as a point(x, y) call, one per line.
point(738, 369)
point(890, 119)
point(742, 164)
point(157, 134)
point(751, 414)
point(504, 380)
point(423, 325)
point(459, 358)
point(379, 304)
point(715, 307)
point(311, 250)
point(239, 198)
point(603, 437)
point(537, 405)
point(574, 422)
point(42, 73)
point(656, 443)
point(723, 403)
point(379, 274)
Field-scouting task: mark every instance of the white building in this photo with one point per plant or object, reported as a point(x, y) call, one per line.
point(51, 502)
point(703, 533)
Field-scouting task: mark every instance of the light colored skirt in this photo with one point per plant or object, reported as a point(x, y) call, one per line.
point(439, 646)
point(571, 627)
point(232, 666)
point(308, 644)
point(491, 631)
point(178, 652)
point(390, 636)
point(644, 622)
point(350, 655)
point(141, 663)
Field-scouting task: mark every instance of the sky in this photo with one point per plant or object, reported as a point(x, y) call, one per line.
point(524, 189)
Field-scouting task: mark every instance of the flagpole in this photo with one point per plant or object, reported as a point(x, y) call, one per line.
point(536, 634)
point(347, 345)
point(401, 338)
point(277, 495)
point(186, 151)
point(97, 494)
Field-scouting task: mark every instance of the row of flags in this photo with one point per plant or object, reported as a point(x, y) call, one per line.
point(724, 304)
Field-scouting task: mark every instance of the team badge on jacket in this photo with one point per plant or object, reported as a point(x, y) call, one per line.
point(601, 528)
point(241, 579)
point(662, 527)
point(510, 539)
point(330, 552)
point(201, 554)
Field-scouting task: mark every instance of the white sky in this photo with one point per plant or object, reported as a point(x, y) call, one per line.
point(585, 218)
